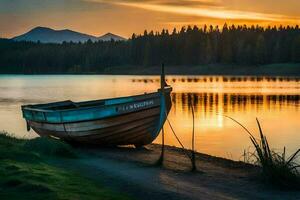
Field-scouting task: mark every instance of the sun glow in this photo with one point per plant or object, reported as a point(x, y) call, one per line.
point(216, 12)
point(212, 9)
point(124, 17)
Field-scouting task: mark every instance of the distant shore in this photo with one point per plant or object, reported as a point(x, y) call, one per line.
point(46, 167)
point(217, 69)
point(284, 69)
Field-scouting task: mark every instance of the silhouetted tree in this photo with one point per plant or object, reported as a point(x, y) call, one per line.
point(241, 45)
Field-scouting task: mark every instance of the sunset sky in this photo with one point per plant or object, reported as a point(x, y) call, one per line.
point(124, 17)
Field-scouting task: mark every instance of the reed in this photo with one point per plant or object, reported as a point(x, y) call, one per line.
point(193, 157)
point(277, 169)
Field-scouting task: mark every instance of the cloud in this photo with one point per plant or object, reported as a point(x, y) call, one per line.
point(214, 9)
point(189, 3)
point(19, 7)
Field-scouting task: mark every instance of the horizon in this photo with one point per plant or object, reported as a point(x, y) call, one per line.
point(97, 17)
point(159, 31)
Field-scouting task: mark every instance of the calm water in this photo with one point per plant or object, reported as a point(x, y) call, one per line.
point(275, 101)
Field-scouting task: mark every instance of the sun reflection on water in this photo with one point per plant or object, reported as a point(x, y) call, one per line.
point(274, 100)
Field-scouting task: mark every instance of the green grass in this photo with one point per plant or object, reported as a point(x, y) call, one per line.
point(50, 147)
point(276, 168)
point(26, 173)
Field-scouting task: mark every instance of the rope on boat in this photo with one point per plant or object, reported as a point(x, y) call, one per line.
point(192, 156)
point(178, 140)
point(185, 150)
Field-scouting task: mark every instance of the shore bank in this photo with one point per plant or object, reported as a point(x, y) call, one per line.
point(27, 172)
point(126, 172)
point(215, 178)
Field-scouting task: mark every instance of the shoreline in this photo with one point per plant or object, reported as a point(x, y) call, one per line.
point(210, 70)
point(284, 69)
point(131, 154)
point(127, 172)
point(215, 177)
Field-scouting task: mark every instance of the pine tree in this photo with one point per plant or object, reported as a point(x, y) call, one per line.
point(260, 50)
point(296, 50)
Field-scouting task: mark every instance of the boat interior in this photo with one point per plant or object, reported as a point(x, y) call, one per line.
point(65, 105)
point(68, 104)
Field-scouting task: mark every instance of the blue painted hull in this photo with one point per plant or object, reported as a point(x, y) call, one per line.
point(120, 121)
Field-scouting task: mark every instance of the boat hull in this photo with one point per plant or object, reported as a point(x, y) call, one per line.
point(136, 122)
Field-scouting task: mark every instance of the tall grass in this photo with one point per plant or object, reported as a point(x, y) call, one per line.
point(276, 167)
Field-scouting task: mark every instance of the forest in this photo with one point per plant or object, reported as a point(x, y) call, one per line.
point(189, 46)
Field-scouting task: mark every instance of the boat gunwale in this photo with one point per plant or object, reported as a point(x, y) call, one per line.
point(136, 99)
point(86, 110)
point(31, 108)
point(81, 108)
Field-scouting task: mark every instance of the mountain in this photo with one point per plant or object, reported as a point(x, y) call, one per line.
point(110, 36)
point(48, 35)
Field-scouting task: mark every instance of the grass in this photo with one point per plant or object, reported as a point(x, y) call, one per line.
point(26, 172)
point(50, 147)
point(276, 168)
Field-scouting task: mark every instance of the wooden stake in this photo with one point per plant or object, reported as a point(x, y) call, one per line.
point(162, 87)
point(161, 158)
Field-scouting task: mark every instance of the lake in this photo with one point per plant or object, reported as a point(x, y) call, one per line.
point(275, 101)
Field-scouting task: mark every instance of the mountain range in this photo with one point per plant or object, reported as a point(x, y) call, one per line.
point(48, 35)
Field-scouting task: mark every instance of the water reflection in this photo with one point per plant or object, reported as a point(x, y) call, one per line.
point(216, 103)
point(221, 79)
point(274, 100)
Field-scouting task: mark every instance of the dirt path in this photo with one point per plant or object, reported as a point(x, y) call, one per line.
point(132, 171)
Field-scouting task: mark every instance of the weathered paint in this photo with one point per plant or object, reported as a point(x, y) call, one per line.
point(127, 120)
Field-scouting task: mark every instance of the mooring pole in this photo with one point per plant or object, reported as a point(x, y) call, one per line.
point(161, 158)
point(162, 88)
point(162, 77)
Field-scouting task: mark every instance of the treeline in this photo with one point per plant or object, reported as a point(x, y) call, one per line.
point(237, 45)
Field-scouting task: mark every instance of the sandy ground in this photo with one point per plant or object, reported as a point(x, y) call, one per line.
point(133, 171)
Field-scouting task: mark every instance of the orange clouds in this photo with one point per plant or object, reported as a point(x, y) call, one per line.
point(205, 9)
point(127, 16)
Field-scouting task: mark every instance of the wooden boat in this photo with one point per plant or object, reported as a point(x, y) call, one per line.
point(128, 120)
